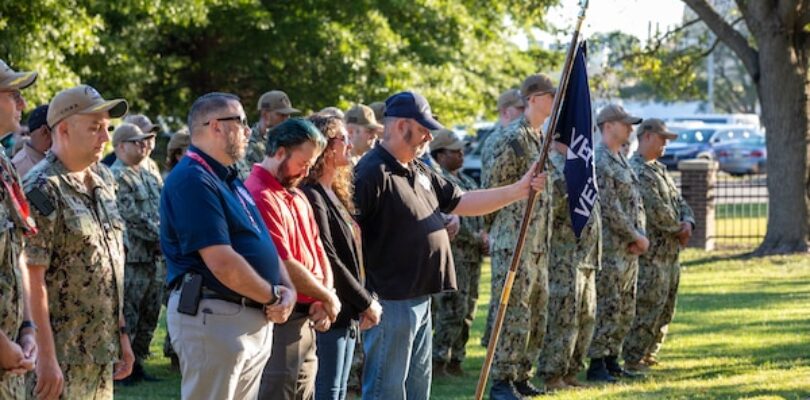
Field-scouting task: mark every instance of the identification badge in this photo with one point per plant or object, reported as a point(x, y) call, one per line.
point(424, 181)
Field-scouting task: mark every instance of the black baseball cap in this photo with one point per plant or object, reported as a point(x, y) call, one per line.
point(411, 105)
point(38, 118)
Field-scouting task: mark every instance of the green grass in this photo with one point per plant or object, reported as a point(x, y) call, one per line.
point(742, 330)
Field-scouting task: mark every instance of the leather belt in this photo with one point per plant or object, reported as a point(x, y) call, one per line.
point(212, 295)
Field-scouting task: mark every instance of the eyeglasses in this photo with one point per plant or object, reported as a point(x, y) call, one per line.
point(242, 120)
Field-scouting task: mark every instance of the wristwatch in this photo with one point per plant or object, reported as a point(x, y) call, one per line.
point(276, 296)
point(26, 325)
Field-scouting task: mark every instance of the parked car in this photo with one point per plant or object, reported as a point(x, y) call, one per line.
point(697, 141)
point(472, 152)
point(742, 156)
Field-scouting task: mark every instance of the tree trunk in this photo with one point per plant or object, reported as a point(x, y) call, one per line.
point(783, 94)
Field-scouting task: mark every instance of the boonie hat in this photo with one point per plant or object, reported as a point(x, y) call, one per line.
point(178, 141)
point(655, 125)
point(83, 99)
point(537, 83)
point(411, 105)
point(127, 132)
point(13, 80)
point(445, 139)
point(362, 115)
point(38, 118)
point(278, 101)
point(143, 122)
point(615, 112)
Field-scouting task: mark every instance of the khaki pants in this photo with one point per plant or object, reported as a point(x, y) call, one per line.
point(222, 349)
point(290, 372)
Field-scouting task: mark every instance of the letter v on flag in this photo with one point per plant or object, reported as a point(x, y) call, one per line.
point(575, 130)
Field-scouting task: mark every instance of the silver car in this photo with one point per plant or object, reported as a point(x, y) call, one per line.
point(742, 156)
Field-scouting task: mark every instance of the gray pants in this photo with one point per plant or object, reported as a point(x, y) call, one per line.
point(222, 349)
point(290, 372)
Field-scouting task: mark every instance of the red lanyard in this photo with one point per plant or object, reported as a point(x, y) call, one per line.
point(18, 200)
point(196, 157)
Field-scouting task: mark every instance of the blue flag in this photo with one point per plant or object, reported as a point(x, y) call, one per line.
point(575, 130)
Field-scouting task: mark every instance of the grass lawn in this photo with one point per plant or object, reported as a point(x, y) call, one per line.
point(742, 330)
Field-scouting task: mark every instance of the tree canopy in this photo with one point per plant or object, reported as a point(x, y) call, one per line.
point(162, 54)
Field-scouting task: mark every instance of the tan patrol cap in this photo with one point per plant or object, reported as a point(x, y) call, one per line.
point(143, 122)
point(362, 115)
point(615, 112)
point(82, 99)
point(537, 83)
point(655, 125)
point(332, 112)
point(13, 80)
point(278, 101)
point(379, 110)
point(510, 98)
point(127, 132)
point(178, 141)
point(445, 139)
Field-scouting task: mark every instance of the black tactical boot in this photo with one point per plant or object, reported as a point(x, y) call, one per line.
point(613, 367)
point(503, 390)
point(597, 372)
point(526, 388)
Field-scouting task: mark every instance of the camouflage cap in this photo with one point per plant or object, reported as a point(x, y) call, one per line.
point(445, 139)
point(278, 101)
point(362, 115)
point(615, 112)
point(179, 140)
point(379, 109)
point(655, 125)
point(510, 98)
point(143, 122)
point(537, 83)
point(83, 99)
point(13, 80)
point(127, 132)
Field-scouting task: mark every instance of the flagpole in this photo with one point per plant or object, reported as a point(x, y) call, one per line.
point(530, 202)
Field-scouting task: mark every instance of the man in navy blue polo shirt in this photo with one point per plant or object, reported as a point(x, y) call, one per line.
point(400, 202)
point(211, 231)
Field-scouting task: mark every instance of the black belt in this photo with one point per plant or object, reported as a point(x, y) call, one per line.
point(212, 295)
point(302, 308)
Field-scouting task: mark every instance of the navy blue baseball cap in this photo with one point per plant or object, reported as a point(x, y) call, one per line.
point(411, 105)
point(38, 118)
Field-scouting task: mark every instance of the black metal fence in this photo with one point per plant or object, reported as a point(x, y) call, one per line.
point(741, 209)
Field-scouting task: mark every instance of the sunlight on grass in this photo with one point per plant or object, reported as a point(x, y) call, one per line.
point(742, 330)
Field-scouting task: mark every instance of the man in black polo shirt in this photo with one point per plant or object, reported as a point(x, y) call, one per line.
point(210, 228)
point(407, 250)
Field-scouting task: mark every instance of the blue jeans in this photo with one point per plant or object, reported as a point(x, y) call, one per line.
point(335, 352)
point(398, 352)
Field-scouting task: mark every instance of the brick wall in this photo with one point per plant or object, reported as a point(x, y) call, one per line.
point(698, 182)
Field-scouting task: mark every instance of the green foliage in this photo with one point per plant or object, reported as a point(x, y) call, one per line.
point(160, 55)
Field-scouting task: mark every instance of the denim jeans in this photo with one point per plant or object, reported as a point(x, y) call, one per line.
point(335, 352)
point(398, 352)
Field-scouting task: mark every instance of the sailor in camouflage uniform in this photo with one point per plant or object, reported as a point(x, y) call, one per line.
point(571, 283)
point(139, 202)
point(507, 157)
point(624, 239)
point(77, 258)
point(274, 108)
point(17, 334)
point(455, 311)
point(669, 226)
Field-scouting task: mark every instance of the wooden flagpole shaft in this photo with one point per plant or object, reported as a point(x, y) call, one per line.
point(530, 203)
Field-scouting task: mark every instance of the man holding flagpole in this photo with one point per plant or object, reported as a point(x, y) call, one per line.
point(509, 155)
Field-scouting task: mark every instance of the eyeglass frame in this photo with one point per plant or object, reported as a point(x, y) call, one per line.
point(242, 120)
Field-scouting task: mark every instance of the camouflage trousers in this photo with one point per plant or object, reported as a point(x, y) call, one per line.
point(355, 382)
point(11, 386)
point(572, 315)
point(615, 304)
point(524, 327)
point(82, 381)
point(454, 315)
point(143, 296)
point(655, 308)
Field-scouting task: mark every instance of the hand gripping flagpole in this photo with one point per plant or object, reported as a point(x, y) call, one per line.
point(530, 202)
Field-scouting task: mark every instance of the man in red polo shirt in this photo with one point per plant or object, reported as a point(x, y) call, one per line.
point(291, 150)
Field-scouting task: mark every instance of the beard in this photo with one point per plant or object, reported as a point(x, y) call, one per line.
point(236, 147)
point(419, 149)
point(286, 179)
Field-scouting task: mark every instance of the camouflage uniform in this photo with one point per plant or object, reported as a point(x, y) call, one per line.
point(511, 154)
point(455, 311)
point(255, 152)
point(571, 282)
point(622, 219)
point(486, 160)
point(138, 203)
point(659, 271)
point(11, 289)
point(80, 243)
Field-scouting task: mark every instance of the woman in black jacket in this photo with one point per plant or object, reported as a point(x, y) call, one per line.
point(328, 188)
